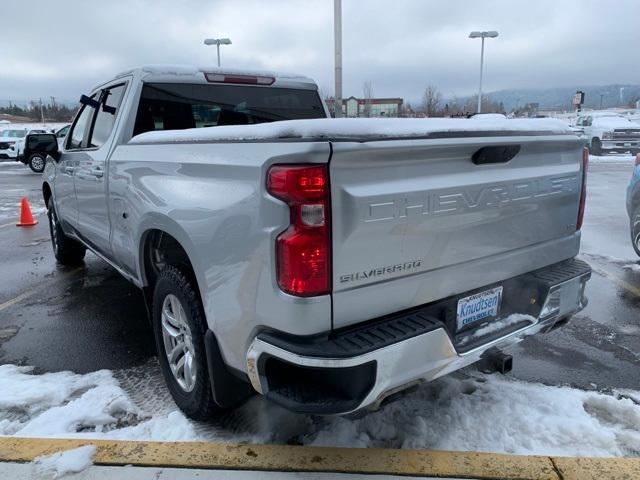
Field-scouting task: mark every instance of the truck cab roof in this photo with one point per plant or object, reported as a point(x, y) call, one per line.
point(193, 74)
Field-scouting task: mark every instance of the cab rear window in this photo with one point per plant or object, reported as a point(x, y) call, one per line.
point(167, 106)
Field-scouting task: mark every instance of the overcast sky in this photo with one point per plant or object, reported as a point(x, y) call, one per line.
point(64, 47)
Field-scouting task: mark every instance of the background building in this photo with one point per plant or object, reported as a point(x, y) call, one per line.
point(368, 107)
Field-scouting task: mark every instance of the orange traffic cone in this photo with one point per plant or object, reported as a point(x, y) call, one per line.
point(26, 219)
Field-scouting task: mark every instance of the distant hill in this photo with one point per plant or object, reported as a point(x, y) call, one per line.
point(560, 98)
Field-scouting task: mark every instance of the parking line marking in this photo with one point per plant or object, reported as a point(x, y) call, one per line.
point(618, 281)
point(28, 293)
point(17, 299)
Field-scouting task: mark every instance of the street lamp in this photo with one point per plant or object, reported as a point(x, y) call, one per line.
point(482, 35)
point(217, 42)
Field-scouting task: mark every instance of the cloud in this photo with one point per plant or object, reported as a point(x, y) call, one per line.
point(64, 48)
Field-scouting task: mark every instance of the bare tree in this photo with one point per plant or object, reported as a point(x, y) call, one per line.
point(367, 94)
point(431, 100)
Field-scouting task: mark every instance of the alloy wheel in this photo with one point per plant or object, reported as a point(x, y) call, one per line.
point(178, 343)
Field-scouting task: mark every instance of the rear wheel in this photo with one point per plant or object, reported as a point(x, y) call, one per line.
point(596, 146)
point(635, 230)
point(179, 327)
point(37, 162)
point(66, 250)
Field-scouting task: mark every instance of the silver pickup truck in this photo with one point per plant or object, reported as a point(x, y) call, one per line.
point(324, 263)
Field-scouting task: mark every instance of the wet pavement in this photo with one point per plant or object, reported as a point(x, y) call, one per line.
point(89, 318)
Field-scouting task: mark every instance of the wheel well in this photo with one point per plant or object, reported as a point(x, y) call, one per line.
point(46, 193)
point(162, 249)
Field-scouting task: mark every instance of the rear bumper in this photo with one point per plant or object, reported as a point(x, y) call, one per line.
point(347, 370)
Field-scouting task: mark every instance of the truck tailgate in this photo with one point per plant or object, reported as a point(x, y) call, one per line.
point(417, 220)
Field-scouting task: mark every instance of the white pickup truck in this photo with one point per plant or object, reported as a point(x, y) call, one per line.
point(325, 263)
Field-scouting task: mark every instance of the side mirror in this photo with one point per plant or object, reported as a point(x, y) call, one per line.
point(45, 143)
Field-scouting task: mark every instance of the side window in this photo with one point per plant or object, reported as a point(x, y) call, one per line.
point(63, 132)
point(588, 121)
point(77, 137)
point(106, 116)
point(580, 122)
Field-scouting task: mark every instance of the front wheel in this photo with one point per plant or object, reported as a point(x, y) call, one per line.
point(179, 327)
point(66, 250)
point(37, 162)
point(635, 230)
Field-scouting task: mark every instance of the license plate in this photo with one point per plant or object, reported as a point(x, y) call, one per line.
point(478, 307)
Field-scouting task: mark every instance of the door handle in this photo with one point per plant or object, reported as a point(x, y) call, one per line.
point(67, 170)
point(97, 172)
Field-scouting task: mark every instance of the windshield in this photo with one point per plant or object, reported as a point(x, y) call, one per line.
point(178, 106)
point(14, 133)
point(612, 121)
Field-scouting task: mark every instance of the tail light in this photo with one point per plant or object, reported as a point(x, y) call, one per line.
point(583, 191)
point(303, 251)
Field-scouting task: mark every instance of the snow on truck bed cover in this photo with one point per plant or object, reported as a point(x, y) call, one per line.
point(353, 128)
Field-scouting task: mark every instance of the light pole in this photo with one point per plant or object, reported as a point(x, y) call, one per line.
point(337, 37)
point(482, 35)
point(217, 42)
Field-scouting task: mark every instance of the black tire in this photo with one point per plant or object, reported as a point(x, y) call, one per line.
point(596, 146)
point(36, 162)
point(635, 230)
point(66, 250)
point(198, 402)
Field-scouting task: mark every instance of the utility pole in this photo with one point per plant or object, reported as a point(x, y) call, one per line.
point(337, 33)
point(41, 112)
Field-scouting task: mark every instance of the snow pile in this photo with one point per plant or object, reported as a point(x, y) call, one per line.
point(490, 413)
point(65, 404)
point(352, 128)
point(634, 267)
point(69, 461)
point(473, 412)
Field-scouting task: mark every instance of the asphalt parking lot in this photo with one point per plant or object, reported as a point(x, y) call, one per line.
point(89, 318)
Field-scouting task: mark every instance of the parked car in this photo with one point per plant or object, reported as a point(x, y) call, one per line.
point(33, 160)
point(8, 139)
point(609, 133)
point(633, 206)
point(324, 263)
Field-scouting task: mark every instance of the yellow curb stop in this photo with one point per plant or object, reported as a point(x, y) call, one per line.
point(286, 458)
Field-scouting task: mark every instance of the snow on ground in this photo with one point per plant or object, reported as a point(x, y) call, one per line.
point(49, 127)
point(459, 412)
point(61, 463)
point(612, 158)
point(65, 404)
